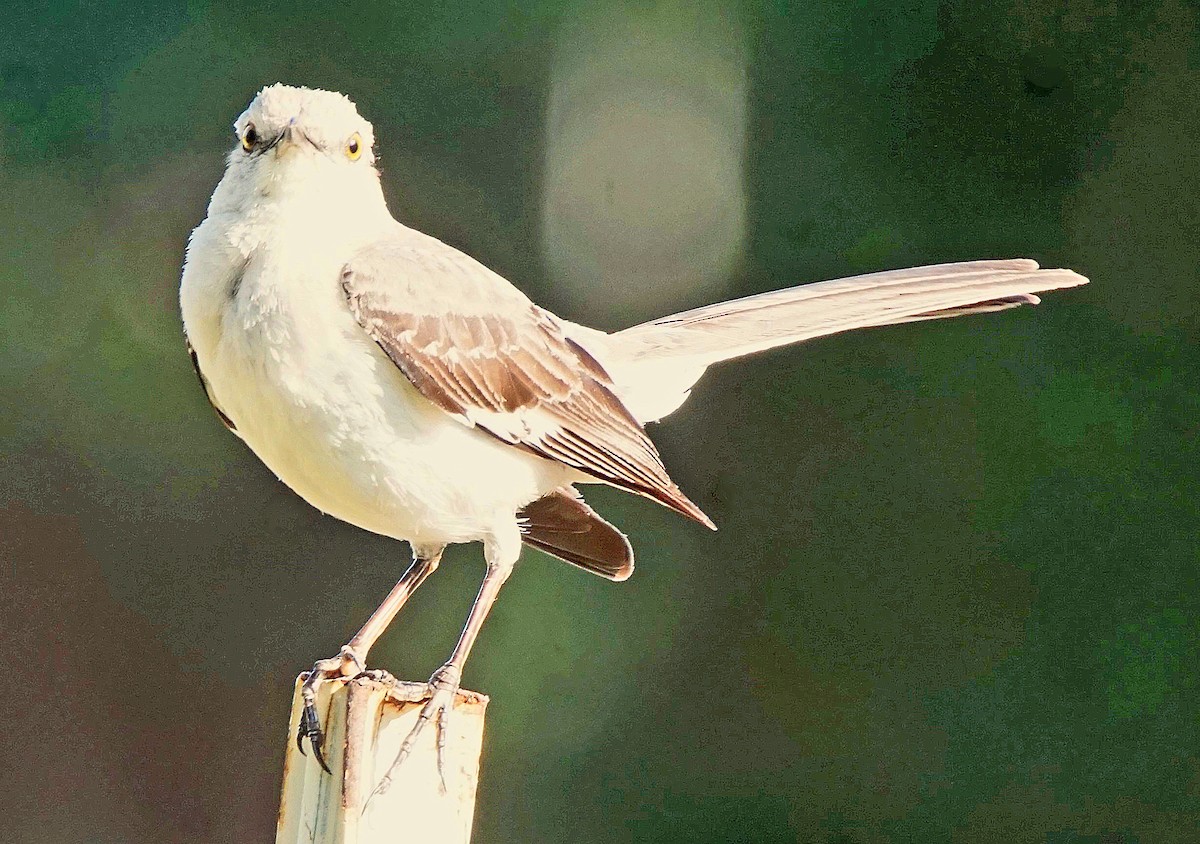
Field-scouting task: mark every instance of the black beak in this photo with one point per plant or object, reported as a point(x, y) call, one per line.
point(292, 135)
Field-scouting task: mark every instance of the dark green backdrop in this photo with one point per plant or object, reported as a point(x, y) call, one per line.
point(954, 594)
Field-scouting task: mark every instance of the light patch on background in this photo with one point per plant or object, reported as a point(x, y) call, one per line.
point(643, 185)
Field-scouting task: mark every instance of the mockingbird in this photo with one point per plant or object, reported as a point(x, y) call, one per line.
point(400, 385)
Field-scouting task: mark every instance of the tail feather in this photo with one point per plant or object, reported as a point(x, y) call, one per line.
point(655, 364)
point(756, 323)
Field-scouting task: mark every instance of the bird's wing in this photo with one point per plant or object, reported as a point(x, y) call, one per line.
point(476, 347)
point(204, 386)
point(562, 524)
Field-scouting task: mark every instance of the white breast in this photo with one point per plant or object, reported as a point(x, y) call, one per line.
point(320, 403)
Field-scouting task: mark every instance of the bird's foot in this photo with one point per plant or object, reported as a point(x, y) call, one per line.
point(344, 666)
point(443, 686)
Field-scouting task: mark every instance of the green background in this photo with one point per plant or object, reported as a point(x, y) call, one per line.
point(954, 595)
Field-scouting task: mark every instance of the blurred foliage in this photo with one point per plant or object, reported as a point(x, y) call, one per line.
point(954, 597)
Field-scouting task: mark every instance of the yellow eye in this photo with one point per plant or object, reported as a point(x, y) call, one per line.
point(354, 147)
point(249, 138)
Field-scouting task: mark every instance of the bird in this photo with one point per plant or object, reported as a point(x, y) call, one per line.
point(398, 384)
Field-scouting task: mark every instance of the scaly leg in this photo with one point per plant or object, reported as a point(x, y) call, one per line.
point(443, 685)
point(351, 660)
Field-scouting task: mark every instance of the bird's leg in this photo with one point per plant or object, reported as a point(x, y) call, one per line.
point(444, 683)
point(351, 659)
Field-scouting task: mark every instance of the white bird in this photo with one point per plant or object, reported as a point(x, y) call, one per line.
point(400, 385)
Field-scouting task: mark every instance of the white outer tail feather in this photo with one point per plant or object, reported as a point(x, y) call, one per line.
point(655, 364)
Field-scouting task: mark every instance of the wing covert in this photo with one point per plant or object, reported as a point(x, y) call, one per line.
point(476, 347)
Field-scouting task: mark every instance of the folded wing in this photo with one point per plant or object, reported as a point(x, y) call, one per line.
point(562, 524)
point(476, 347)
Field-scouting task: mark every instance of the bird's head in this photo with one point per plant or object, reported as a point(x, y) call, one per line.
point(300, 142)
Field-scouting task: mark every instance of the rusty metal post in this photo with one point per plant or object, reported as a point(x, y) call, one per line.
point(365, 722)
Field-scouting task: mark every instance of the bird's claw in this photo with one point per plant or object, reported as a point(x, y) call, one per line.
point(345, 665)
point(379, 675)
point(443, 686)
point(310, 728)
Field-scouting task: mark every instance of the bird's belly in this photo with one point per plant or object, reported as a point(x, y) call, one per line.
point(340, 425)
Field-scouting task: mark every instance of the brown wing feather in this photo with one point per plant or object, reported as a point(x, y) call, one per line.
point(510, 371)
point(562, 524)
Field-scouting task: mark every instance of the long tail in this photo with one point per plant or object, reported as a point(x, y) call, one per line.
point(655, 364)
